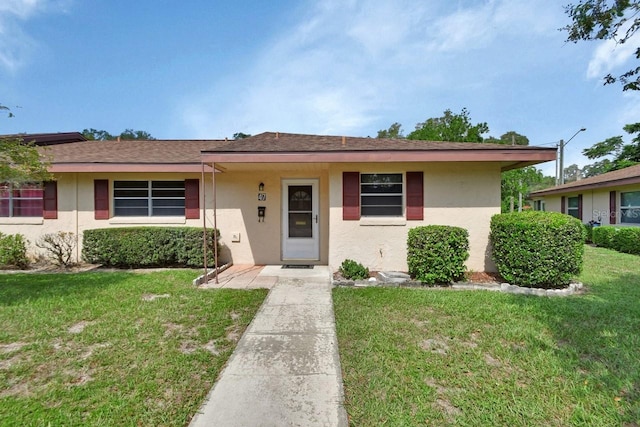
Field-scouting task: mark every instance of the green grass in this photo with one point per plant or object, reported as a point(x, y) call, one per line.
point(415, 357)
point(98, 349)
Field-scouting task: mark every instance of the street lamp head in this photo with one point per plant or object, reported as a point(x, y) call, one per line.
point(583, 129)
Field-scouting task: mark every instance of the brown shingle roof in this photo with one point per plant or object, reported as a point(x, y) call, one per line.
point(290, 142)
point(630, 175)
point(132, 152)
point(158, 155)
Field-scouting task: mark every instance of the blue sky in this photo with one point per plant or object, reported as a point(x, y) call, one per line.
point(203, 69)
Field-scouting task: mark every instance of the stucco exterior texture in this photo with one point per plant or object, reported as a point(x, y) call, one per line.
point(463, 194)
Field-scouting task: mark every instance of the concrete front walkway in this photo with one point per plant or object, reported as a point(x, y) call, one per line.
point(285, 370)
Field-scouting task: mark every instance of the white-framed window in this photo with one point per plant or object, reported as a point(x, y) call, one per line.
point(381, 194)
point(538, 205)
point(573, 206)
point(148, 198)
point(23, 201)
point(630, 207)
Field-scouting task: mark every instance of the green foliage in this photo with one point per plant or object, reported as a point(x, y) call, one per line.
point(588, 233)
point(509, 138)
point(20, 162)
point(241, 135)
point(13, 251)
point(450, 127)
point(607, 20)
point(603, 236)
point(59, 247)
point(621, 239)
point(146, 247)
point(518, 181)
point(394, 132)
point(537, 249)
point(127, 134)
point(627, 240)
point(436, 253)
point(353, 270)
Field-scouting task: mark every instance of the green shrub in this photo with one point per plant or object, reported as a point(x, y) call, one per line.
point(147, 247)
point(537, 249)
point(627, 240)
point(588, 233)
point(603, 236)
point(353, 270)
point(13, 251)
point(436, 253)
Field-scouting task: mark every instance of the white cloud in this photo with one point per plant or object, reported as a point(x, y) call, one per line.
point(15, 44)
point(609, 55)
point(346, 63)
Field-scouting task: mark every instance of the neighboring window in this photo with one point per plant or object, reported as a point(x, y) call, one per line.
point(23, 201)
point(630, 207)
point(538, 205)
point(148, 198)
point(381, 194)
point(573, 207)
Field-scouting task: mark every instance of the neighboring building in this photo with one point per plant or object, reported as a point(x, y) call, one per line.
point(610, 198)
point(282, 198)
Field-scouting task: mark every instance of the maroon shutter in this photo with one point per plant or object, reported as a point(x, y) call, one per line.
point(580, 207)
point(612, 207)
point(192, 198)
point(415, 196)
point(50, 200)
point(101, 198)
point(350, 196)
point(563, 204)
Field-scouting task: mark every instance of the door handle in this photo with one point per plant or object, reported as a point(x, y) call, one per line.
point(316, 219)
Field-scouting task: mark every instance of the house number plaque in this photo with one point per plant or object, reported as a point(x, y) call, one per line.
point(262, 197)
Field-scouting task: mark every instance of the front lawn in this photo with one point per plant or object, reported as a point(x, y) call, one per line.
point(113, 348)
point(440, 357)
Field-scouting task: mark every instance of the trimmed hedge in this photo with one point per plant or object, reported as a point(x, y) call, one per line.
point(436, 253)
point(537, 249)
point(622, 239)
point(132, 247)
point(13, 251)
point(603, 236)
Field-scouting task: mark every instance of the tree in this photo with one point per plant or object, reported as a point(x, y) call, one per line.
point(624, 155)
point(572, 173)
point(450, 127)
point(21, 162)
point(240, 135)
point(394, 132)
point(509, 138)
point(517, 184)
point(127, 134)
point(616, 20)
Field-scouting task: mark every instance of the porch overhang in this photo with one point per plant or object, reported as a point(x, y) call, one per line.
point(127, 167)
point(509, 159)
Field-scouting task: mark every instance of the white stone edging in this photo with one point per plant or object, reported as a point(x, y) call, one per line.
point(204, 278)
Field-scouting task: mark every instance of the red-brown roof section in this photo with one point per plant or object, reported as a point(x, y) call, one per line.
point(626, 176)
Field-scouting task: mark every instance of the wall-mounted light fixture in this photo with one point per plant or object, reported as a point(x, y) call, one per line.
point(261, 186)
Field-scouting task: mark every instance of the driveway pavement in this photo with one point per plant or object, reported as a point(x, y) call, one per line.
point(285, 370)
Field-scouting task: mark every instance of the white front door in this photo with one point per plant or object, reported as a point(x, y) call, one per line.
point(300, 237)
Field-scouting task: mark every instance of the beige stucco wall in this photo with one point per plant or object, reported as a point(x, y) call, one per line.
point(237, 204)
point(595, 203)
point(460, 194)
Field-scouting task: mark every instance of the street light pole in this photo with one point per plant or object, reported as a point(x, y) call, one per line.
point(561, 155)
